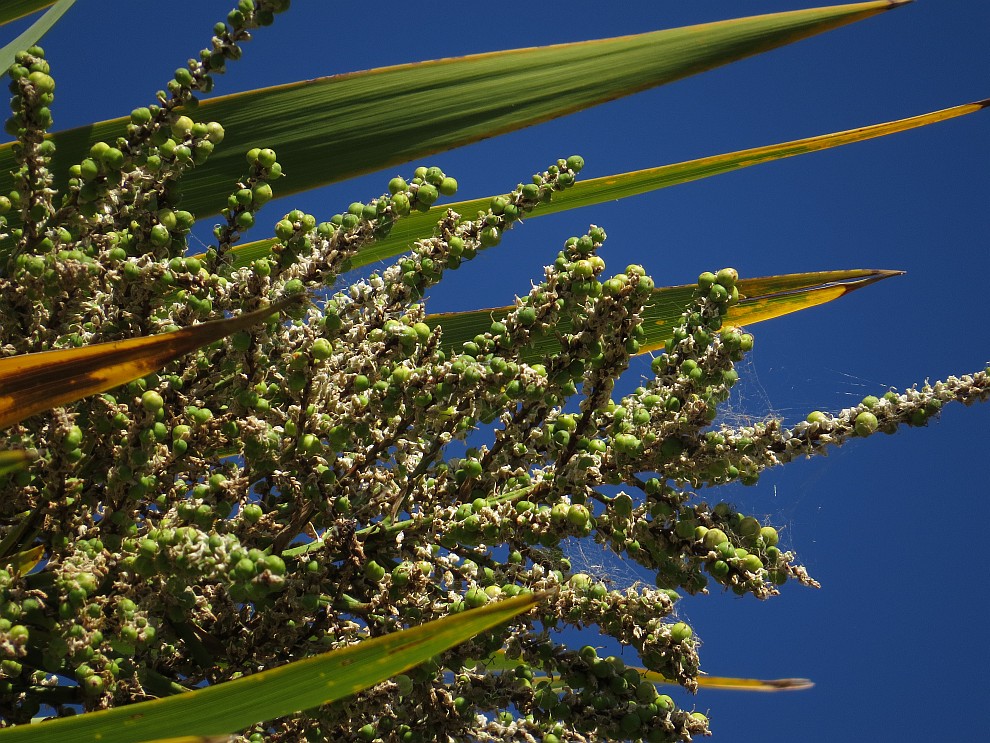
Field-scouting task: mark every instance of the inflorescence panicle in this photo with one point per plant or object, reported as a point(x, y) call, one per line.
point(309, 482)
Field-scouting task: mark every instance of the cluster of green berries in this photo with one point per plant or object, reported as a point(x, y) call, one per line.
point(605, 696)
point(252, 193)
point(33, 90)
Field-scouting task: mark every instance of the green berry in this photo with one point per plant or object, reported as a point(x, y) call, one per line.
point(160, 236)
point(374, 572)
point(88, 169)
point(680, 632)
point(266, 158)
point(182, 124)
point(475, 597)
point(727, 277)
point(261, 194)
point(575, 163)
point(490, 237)
point(578, 515)
point(865, 424)
point(321, 349)
point(252, 513)
point(284, 230)
point(752, 563)
point(42, 82)
point(293, 287)
point(769, 536)
point(715, 537)
point(427, 194)
point(152, 401)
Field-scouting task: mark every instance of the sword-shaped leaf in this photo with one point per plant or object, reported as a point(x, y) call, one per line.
point(33, 382)
point(16, 459)
point(24, 562)
point(739, 684)
point(332, 128)
point(764, 298)
point(622, 185)
point(11, 10)
point(234, 705)
point(498, 662)
point(34, 32)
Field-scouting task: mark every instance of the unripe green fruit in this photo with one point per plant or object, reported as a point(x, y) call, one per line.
point(769, 536)
point(715, 537)
point(865, 424)
point(749, 527)
point(475, 597)
point(252, 513)
point(214, 132)
point(284, 230)
point(88, 169)
point(182, 124)
point(261, 194)
point(626, 443)
point(427, 194)
point(293, 287)
point(680, 632)
point(374, 572)
point(160, 236)
point(752, 563)
point(42, 82)
point(578, 515)
point(321, 349)
point(266, 157)
point(727, 277)
point(490, 237)
point(152, 401)
point(183, 77)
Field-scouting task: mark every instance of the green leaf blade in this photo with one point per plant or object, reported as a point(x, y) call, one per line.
point(601, 190)
point(33, 34)
point(329, 129)
point(34, 382)
point(11, 10)
point(764, 299)
point(234, 705)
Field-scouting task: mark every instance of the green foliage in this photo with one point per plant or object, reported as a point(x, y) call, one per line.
point(306, 484)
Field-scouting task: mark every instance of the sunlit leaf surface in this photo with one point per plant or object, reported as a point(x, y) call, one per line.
point(764, 299)
point(231, 706)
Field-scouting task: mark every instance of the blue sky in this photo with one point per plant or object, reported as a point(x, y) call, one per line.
point(891, 526)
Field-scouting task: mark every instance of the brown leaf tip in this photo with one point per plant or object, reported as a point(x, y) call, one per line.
point(794, 684)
